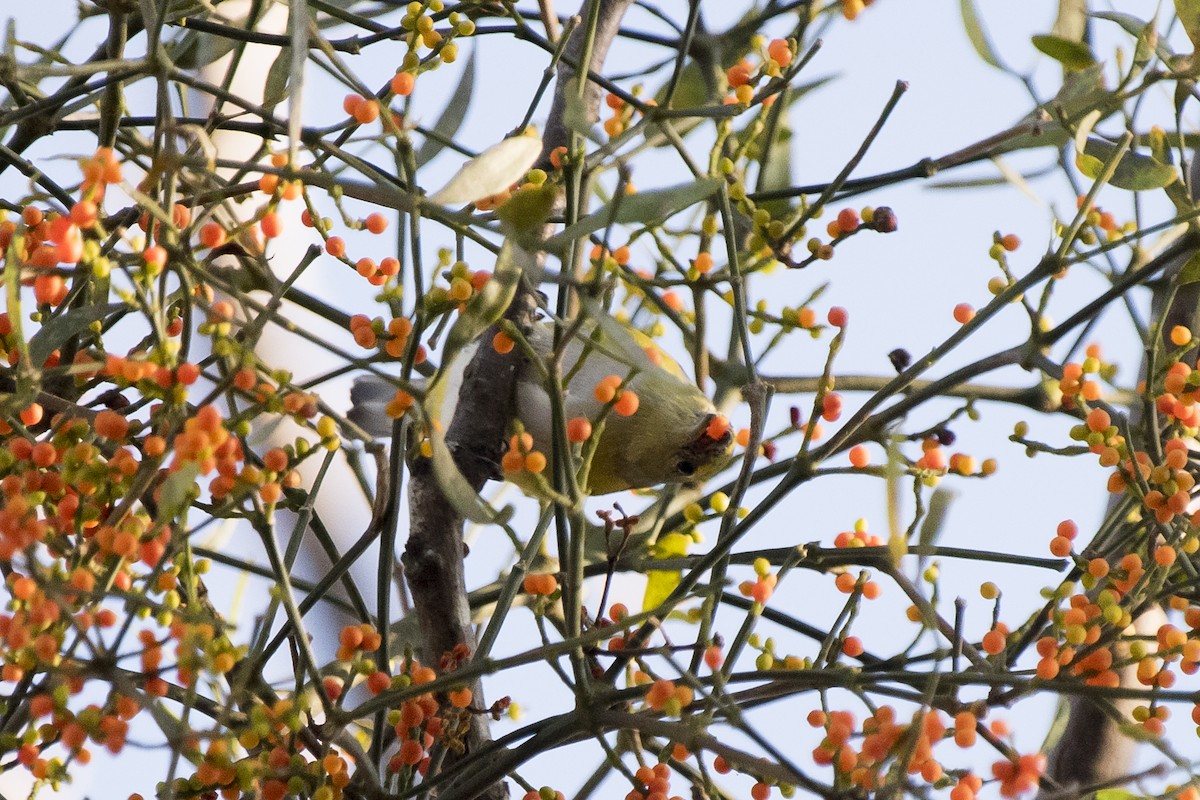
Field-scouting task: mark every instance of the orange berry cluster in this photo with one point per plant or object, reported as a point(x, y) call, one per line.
point(665, 695)
point(357, 639)
point(610, 389)
point(367, 333)
point(621, 117)
point(464, 283)
point(846, 223)
point(420, 721)
point(1104, 220)
point(1020, 776)
point(544, 793)
point(521, 456)
point(1177, 402)
point(1077, 388)
point(744, 75)
point(763, 586)
point(655, 783)
point(883, 739)
point(847, 582)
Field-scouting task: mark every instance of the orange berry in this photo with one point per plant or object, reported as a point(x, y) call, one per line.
point(535, 462)
point(212, 235)
point(335, 246)
point(111, 425)
point(366, 112)
point(403, 83)
point(579, 429)
point(838, 317)
point(606, 389)
point(1098, 420)
point(84, 213)
point(852, 646)
point(1180, 335)
point(703, 263)
point(271, 225)
point(33, 414)
point(847, 220)
point(376, 223)
point(1060, 546)
point(351, 102)
point(502, 343)
point(859, 456)
point(779, 52)
point(993, 642)
point(512, 461)
point(963, 313)
point(1010, 242)
point(627, 404)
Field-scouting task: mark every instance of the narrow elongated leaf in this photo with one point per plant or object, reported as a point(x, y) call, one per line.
point(176, 491)
point(642, 208)
point(977, 35)
point(484, 309)
point(1137, 28)
point(487, 305)
point(452, 115)
point(465, 500)
point(1136, 172)
point(1190, 272)
point(935, 518)
point(276, 87)
point(1188, 12)
point(70, 323)
point(492, 171)
point(1072, 55)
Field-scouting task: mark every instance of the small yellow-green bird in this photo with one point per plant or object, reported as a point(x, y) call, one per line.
point(674, 436)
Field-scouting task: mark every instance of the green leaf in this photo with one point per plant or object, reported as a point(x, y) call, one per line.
point(275, 88)
point(575, 115)
point(487, 305)
point(935, 518)
point(1115, 794)
point(660, 583)
point(1143, 31)
point(177, 492)
point(452, 116)
point(642, 208)
point(978, 35)
point(1188, 12)
point(458, 493)
point(492, 171)
point(70, 323)
point(1190, 272)
point(1073, 56)
point(776, 166)
point(1136, 172)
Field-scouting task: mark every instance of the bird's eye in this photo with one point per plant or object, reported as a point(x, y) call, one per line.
point(685, 468)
